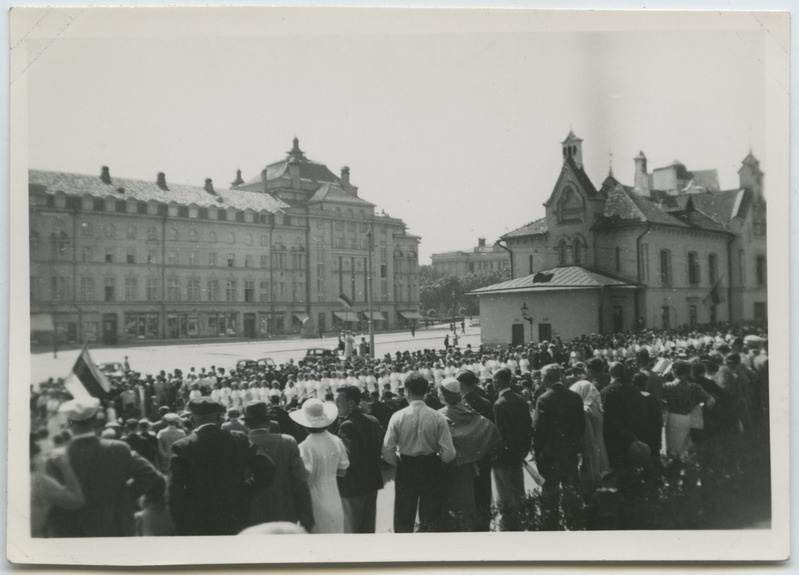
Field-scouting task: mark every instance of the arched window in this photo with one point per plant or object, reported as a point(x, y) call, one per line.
point(578, 250)
point(248, 239)
point(173, 233)
point(193, 235)
point(563, 251)
point(570, 206)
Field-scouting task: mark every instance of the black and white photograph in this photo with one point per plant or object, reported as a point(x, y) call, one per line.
point(319, 285)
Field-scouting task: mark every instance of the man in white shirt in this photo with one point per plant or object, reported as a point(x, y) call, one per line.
point(419, 442)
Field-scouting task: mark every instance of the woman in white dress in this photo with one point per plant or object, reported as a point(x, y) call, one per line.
point(325, 457)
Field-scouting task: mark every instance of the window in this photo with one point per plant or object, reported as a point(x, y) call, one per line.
point(131, 232)
point(692, 315)
point(109, 255)
point(249, 291)
point(193, 289)
point(86, 230)
point(263, 287)
point(712, 268)
point(87, 289)
point(151, 289)
point(383, 270)
point(152, 233)
point(247, 239)
point(192, 258)
point(665, 267)
point(231, 260)
point(249, 261)
point(665, 317)
point(172, 258)
point(578, 251)
point(110, 289)
point(741, 267)
point(570, 206)
point(562, 252)
point(131, 289)
point(86, 255)
point(109, 231)
point(59, 243)
point(212, 237)
point(760, 270)
point(58, 288)
point(531, 262)
point(230, 290)
point(264, 240)
point(231, 238)
point(264, 261)
point(173, 233)
point(617, 265)
point(131, 256)
point(693, 268)
point(152, 257)
point(281, 260)
point(193, 237)
point(213, 290)
point(286, 220)
point(173, 289)
point(212, 259)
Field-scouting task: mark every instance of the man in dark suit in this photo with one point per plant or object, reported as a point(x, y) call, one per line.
point(103, 468)
point(625, 419)
point(512, 418)
point(559, 428)
point(482, 483)
point(379, 410)
point(363, 436)
point(139, 442)
point(209, 488)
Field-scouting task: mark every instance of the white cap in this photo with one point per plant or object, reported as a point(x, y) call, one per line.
point(80, 409)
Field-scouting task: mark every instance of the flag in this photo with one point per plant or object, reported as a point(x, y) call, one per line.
point(715, 296)
point(86, 379)
point(344, 300)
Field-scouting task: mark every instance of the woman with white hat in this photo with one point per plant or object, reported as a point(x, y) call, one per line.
point(325, 457)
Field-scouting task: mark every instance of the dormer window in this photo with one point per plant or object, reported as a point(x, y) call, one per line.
point(570, 207)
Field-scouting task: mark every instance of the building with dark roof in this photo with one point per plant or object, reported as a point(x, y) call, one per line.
point(674, 250)
point(116, 259)
point(481, 258)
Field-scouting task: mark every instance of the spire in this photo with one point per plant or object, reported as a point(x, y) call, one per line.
point(296, 153)
point(610, 163)
point(572, 147)
point(238, 181)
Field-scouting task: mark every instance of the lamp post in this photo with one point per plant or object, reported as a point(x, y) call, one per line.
point(525, 315)
point(370, 323)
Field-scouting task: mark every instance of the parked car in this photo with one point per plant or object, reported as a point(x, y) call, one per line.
point(316, 354)
point(251, 363)
point(112, 369)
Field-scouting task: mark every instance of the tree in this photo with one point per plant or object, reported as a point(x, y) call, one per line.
point(447, 293)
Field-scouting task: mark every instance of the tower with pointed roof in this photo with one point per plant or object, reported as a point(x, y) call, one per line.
point(573, 148)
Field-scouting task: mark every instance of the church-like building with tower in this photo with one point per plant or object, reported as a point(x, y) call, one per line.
point(673, 249)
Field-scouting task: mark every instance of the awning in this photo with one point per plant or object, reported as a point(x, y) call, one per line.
point(301, 316)
point(345, 315)
point(42, 322)
point(376, 316)
point(410, 315)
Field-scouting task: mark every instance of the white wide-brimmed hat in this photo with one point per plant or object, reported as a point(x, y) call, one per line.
point(315, 414)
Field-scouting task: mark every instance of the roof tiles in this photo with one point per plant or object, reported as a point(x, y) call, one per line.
point(561, 278)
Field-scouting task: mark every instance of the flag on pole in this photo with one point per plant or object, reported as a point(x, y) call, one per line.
point(344, 300)
point(86, 379)
point(715, 296)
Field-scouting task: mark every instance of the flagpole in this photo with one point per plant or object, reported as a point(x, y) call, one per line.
point(371, 324)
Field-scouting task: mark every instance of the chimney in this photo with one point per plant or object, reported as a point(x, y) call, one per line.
point(120, 190)
point(345, 177)
point(481, 242)
point(209, 186)
point(105, 175)
point(161, 181)
point(238, 181)
point(641, 180)
point(263, 179)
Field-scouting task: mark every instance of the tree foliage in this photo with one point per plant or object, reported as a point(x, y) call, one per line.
point(446, 294)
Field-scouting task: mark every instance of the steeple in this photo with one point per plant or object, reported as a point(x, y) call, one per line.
point(238, 181)
point(295, 153)
point(750, 176)
point(572, 148)
point(641, 179)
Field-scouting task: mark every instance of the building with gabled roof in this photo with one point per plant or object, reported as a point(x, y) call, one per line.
point(118, 259)
point(684, 251)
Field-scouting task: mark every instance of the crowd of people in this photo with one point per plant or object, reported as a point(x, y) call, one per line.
point(306, 448)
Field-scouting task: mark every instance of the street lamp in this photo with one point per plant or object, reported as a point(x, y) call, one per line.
point(529, 318)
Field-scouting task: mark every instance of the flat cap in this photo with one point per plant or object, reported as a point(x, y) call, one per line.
point(205, 405)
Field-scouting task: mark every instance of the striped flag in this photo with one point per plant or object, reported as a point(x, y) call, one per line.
point(344, 300)
point(86, 379)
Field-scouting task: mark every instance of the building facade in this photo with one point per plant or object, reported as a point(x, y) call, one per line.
point(696, 253)
point(481, 258)
point(115, 260)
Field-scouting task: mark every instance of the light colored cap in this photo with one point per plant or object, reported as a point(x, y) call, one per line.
point(451, 384)
point(80, 409)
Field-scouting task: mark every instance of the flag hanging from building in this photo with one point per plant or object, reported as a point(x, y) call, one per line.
point(344, 300)
point(715, 296)
point(86, 379)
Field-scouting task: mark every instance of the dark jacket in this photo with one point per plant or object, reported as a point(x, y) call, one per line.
point(480, 404)
point(103, 468)
point(381, 412)
point(512, 418)
point(209, 488)
point(362, 435)
point(626, 415)
point(559, 426)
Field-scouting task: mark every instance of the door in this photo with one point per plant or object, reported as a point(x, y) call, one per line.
point(249, 325)
point(618, 318)
point(110, 328)
point(517, 334)
point(544, 332)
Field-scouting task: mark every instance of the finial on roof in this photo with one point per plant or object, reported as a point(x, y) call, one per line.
point(296, 153)
point(610, 163)
point(238, 181)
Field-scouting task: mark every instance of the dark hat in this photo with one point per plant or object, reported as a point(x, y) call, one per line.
point(467, 376)
point(256, 411)
point(205, 405)
point(233, 413)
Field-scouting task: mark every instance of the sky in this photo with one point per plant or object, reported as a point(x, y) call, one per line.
point(452, 122)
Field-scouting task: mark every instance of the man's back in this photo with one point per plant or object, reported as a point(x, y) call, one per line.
point(480, 404)
point(625, 420)
point(103, 468)
point(560, 424)
point(207, 485)
point(512, 418)
point(363, 437)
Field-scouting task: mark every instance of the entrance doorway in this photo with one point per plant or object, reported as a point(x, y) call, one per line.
point(544, 331)
point(110, 328)
point(618, 318)
point(249, 325)
point(517, 334)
